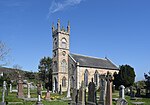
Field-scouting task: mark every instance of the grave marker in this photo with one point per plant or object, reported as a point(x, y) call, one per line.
point(10, 88)
point(3, 93)
point(20, 87)
point(68, 89)
point(109, 89)
point(103, 86)
point(91, 93)
point(82, 94)
point(28, 89)
point(121, 92)
point(39, 94)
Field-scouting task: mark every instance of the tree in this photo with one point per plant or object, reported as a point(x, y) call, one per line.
point(31, 75)
point(45, 71)
point(3, 53)
point(126, 76)
point(6, 78)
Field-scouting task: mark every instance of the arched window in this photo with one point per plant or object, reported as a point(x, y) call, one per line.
point(64, 81)
point(86, 77)
point(63, 65)
point(55, 43)
point(96, 75)
point(63, 43)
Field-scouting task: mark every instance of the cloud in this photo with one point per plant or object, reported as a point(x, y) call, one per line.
point(59, 5)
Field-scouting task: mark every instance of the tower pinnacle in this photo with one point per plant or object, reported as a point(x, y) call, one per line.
point(68, 27)
point(58, 25)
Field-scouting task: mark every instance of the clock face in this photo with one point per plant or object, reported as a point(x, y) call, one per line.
point(63, 53)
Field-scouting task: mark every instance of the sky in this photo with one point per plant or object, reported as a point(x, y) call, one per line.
point(116, 29)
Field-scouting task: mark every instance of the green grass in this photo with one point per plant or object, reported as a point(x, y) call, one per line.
point(146, 100)
point(12, 97)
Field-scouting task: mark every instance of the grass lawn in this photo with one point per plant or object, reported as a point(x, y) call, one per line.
point(146, 100)
point(12, 97)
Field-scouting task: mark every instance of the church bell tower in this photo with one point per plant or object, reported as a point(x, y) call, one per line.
point(60, 56)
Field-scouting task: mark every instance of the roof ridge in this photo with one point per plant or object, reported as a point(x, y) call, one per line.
point(89, 56)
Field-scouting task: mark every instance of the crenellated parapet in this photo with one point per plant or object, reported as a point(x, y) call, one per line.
point(60, 29)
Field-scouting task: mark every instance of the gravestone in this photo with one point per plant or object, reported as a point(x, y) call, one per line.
point(39, 94)
point(103, 86)
point(138, 92)
point(20, 88)
point(121, 92)
point(113, 89)
point(121, 101)
point(74, 96)
point(60, 92)
point(132, 94)
point(68, 89)
point(91, 93)
point(10, 87)
point(3, 93)
point(109, 89)
point(47, 95)
point(28, 90)
point(127, 91)
point(81, 94)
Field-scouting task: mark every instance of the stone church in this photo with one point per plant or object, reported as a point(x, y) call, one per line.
point(74, 67)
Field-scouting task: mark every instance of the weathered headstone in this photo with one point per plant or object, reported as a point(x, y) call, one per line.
point(103, 87)
point(127, 91)
point(81, 95)
point(74, 96)
point(109, 89)
point(132, 94)
point(39, 94)
point(121, 92)
point(113, 88)
point(3, 93)
point(121, 101)
point(20, 88)
point(68, 89)
point(91, 93)
point(10, 88)
point(47, 95)
point(60, 92)
point(138, 92)
point(28, 90)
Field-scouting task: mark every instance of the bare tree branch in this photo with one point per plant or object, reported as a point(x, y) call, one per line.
point(3, 53)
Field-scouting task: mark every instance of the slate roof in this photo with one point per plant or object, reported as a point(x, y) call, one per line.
point(86, 61)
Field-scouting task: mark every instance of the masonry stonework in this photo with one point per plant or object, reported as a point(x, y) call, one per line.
point(67, 65)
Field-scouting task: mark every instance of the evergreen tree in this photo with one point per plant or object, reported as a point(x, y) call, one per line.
point(45, 71)
point(126, 76)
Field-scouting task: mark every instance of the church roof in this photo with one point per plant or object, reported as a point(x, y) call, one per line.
point(86, 61)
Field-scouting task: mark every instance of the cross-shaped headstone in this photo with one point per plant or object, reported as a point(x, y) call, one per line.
point(109, 89)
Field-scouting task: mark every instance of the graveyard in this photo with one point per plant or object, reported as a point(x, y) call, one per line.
point(105, 94)
point(74, 52)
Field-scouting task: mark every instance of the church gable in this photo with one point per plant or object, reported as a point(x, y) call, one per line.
point(85, 61)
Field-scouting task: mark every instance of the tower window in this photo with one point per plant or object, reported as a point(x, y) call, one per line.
point(55, 43)
point(64, 66)
point(64, 81)
point(63, 43)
